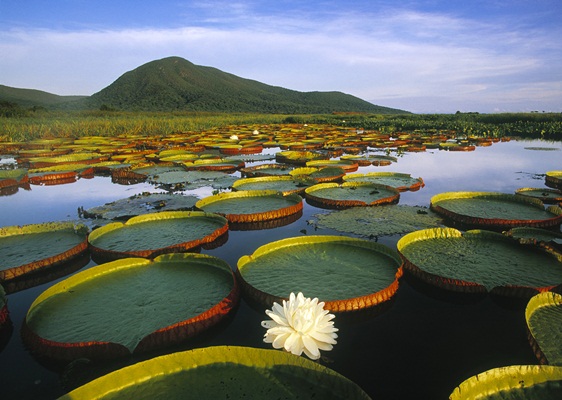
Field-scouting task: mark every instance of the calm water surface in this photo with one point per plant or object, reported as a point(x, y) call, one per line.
point(421, 347)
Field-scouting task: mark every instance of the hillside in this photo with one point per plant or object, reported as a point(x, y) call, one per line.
point(175, 84)
point(34, 98)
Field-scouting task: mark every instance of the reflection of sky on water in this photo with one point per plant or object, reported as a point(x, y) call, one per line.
point(502, 167)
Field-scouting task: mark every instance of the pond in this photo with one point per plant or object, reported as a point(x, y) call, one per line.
point(422, 346)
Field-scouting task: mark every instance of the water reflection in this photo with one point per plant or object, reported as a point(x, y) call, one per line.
point(421, 347)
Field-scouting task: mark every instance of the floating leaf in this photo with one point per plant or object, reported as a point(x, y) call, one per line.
point(544, 320)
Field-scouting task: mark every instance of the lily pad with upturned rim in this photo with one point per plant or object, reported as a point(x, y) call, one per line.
point(267, 170)
point(544, 321)
point(348, 274)
point(319, 175)
point(29, 248)
point(223, 372)
point(553, 179)
point(351, 194)
point(547, 196)
point(514, 382)
point(536, 236)
point(150, 235)
point(252, 206)
point(478, 261)
point(493, 210)
point(283, 184)
point(130, 306)
point(398, 180)
point(346, 165)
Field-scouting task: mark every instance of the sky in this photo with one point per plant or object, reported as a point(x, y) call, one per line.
point(423, 56)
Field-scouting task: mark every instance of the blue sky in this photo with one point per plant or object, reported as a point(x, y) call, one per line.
point(421, 56)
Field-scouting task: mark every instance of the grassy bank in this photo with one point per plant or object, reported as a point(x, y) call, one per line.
point(49, 124)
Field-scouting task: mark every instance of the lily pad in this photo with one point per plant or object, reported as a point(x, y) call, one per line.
point(252, 205)
point(397, 180)
point(547, 196)
point(346, 165)
point(267, 170)
point(150, 235)
point(130, 306)
point(553, 179)
point(283, 184)
point(299, 157)
point(544, 321)
point(319, 175)
point(512, 383)
point(223, 372)
point(478, 261)
point(496, 211)
point(380, 221)
point(346, 273)
point(30, 248)
point(351, 194)
point(542, 237)
point(143, 203)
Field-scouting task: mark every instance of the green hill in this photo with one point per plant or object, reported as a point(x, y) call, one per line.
point(175, 84)
point(34, 98)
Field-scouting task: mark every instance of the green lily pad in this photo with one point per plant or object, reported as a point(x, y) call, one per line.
point(130, 305)
point(538, 236)
point(223, 372)
point(351, 194)
point(478, 261)
point(319, 175)
point(153, 234)
point(283, 184)
point(379, 221)
point(544, 320)
point(515, 382)
point(553, 179)
point(547, 196)
point(251, 206)
point(143, 203)
point(346, 165)
point(267, 170)
point(497, 211)
point(397, 180)
point(29, 248)
point(346, 273)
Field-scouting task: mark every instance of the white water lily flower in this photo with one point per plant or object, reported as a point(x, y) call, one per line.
point(233, 137)
point(301, 324)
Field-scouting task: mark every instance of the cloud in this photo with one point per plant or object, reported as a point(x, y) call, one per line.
point(390, 57)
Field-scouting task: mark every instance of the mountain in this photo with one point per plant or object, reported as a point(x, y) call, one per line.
point(175, 84)
point(34, 98)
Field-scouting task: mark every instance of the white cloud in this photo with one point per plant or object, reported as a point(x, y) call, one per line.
point(390, 56)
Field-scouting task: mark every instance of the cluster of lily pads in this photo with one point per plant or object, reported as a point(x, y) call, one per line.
point(316, 164)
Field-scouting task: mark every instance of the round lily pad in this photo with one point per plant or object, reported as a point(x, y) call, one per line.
point(251, 206)
point(351, 194)
point(346, 273)
point(266, 170)
point(215, 165)
point(319, 175)
point(553, 179)
point(283, 184)
point(547, 196)
point(299, 157)
point(512, 383)
point(346, 165)
point(130, 306)
point(223, 372)
point(29, 248)
point(537, 236)
point(496, 211)
point(397, 180)
point(544, 321)
point(380, 221)
point(150, 235)
point(478, 261)
point(143, 203)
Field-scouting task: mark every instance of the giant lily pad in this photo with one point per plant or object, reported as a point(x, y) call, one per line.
point(150, 235)
point(318, 175)
point(299, 157)
point(544, 321)
point(129, 306)
point(29, 248)
point(223, 372)
point(346, 273)
point(346, 165)
point(283, 184)
point(397, 180)
point(547, 196)
point(252, 205)
point(143, 203)
point(351, 194)
point(541, 237)
point(553, 179)
point(266, 170)
point(478, 261)
point(512, 383)
point(379, 221)
point(496, 211)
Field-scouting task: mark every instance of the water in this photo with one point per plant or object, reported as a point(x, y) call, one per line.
point(423, 346)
